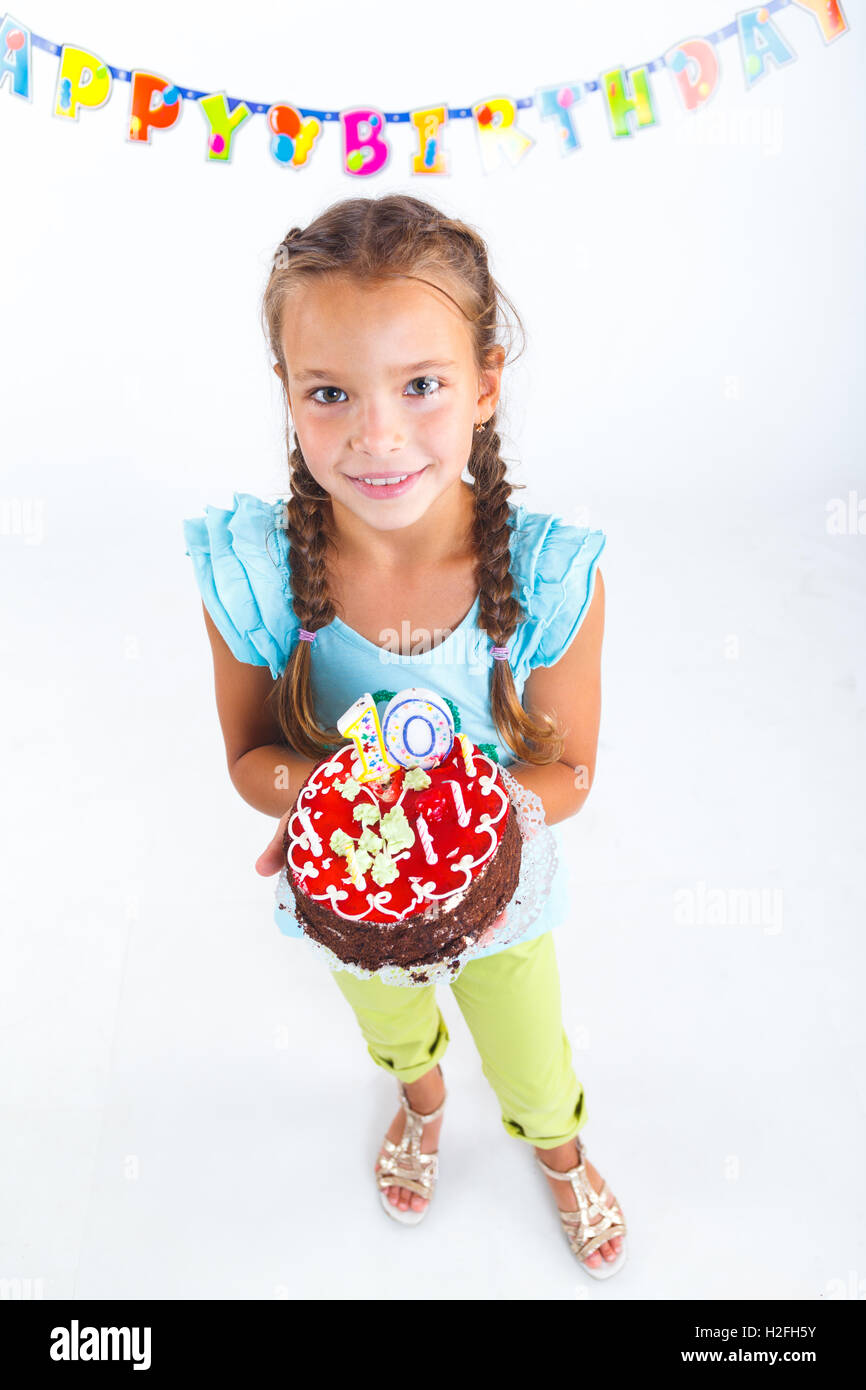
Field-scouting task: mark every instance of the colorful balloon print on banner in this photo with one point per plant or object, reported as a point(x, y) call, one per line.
point(15, 57)
point(760, 44)
point(292, 137)
point(223, 120)
point(365, 149)
point(155, 104)
point(616, 86)
point(694, 66)
point(429, 122)
point(82, 80)
point(499, 136)
point(557, 104)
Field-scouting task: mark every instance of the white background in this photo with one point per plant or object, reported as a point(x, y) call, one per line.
point(187, 1103)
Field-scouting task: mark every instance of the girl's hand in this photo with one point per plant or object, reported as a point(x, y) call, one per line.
point(273, 859)
point(488, 937)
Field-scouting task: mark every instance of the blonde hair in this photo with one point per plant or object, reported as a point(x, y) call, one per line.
point(373, 239)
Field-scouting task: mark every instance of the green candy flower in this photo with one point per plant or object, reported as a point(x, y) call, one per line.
point(416, 779)
point(348, 788)
point(370, 841)
point(340, 842)
point(396, 830)
point(384, 869)
point(366, 812)
point(363, 860)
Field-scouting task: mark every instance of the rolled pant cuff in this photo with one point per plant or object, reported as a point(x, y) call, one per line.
point(408, 1070)
point(518, 1131)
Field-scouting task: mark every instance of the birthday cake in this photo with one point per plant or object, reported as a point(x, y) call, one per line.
point(402, 849)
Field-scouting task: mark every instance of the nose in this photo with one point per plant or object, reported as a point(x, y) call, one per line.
point(379, 430)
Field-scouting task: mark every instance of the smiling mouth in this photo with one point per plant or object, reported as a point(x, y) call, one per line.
point(383, 479)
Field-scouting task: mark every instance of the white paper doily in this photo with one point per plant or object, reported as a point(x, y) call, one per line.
point(538, 865)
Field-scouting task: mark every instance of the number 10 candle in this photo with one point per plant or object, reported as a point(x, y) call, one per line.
point(417, 730)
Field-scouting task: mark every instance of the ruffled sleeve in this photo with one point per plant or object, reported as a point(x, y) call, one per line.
point(240, 563)
point(554, 566)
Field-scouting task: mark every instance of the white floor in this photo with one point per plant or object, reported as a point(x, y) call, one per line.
point(187, 1107)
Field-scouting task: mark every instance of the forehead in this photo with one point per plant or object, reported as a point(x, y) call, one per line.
point(337, 321)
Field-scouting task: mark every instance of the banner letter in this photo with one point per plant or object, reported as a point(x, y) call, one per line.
point(223, 124)
point(498, 136)
point(615, 85)
point(829, 16)
point(694, 66)
point(760, 42)
point(557, 104)
point(365, 150)
point(15, 56)
point(428, 122)
point(82, 80)
point(155, 104)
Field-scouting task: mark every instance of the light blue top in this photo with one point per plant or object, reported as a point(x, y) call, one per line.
point(242, 567)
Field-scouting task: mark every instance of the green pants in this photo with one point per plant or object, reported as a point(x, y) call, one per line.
point(511, 1002)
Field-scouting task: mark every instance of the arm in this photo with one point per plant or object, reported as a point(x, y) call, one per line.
point(262, 768)
point(572, 689)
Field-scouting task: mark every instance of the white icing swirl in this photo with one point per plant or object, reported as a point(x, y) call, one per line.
point(423, 893)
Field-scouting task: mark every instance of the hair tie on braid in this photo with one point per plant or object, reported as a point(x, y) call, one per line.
point(306, 636)
point(500, 653)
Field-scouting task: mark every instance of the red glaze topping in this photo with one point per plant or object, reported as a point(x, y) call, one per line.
point(324, 874)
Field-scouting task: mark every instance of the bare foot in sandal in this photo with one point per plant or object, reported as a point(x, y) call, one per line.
point(424, 1095)
point(566, 1156)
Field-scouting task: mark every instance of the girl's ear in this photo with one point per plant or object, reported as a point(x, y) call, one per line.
point(278, 369)
point(491, 382)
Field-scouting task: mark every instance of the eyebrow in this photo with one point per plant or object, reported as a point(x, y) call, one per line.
point(318, 373)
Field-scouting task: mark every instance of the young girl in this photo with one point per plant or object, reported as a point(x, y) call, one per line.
point(383, 320)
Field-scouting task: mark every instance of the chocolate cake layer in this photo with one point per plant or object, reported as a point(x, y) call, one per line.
point(443, 929)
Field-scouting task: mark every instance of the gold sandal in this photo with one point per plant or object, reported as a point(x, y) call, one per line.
point(584, 1234)
point(404, 1165)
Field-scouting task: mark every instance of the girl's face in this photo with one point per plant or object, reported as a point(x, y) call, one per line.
point(382, 381)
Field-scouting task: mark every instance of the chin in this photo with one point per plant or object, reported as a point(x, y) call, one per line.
point(397, 517)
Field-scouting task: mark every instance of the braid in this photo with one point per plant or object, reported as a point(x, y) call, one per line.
point(307, 516)
point(536, 738)
point(499, 610)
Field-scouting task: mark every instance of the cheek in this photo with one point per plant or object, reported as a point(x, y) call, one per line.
point(445, 424)
point(317, 434)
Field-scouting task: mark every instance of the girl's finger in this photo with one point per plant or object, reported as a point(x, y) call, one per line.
point(270, 861)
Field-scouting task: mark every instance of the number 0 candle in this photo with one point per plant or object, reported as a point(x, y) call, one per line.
point(418, 728)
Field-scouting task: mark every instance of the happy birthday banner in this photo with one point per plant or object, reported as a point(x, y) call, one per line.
point(85, 82)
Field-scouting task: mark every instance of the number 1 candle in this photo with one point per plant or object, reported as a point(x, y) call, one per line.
point(360, 723)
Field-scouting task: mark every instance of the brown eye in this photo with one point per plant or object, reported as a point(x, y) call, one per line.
point(315, 394)
point(434, 379)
